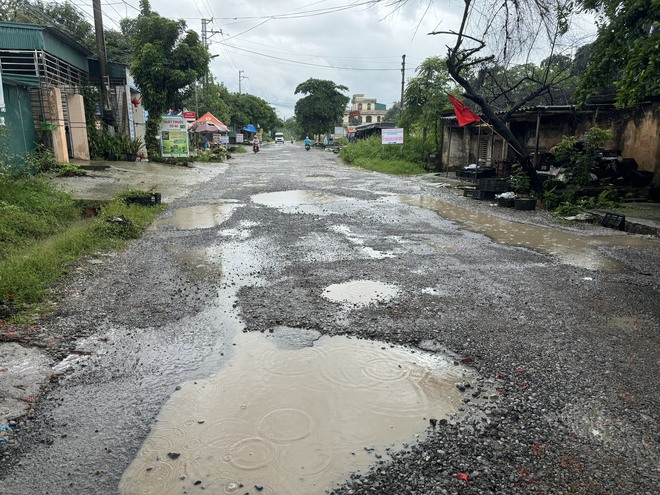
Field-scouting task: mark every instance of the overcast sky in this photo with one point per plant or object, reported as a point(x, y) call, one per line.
point(274, 45)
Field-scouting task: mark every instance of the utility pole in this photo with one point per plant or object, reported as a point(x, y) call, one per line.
point(240, 78)
point(403, 79)
point(206, 36)
point(106, 108)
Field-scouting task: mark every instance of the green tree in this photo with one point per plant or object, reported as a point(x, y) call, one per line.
point(322, 108)
point(625, 53)
point(249, 109)
point(212, 97)
point(167, 60)
point(425, 98)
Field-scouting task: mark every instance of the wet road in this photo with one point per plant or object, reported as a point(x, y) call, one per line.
point(481, 319)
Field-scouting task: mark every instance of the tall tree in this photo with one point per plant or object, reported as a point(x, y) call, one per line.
point(167, 60)
point(425, 98)
point(322, 108)
point(625, 54)
point(250, 109)
point(212, 97)
point(501, 34)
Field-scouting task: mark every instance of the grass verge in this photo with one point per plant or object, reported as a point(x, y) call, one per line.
point(42, 234)
point(370, 154)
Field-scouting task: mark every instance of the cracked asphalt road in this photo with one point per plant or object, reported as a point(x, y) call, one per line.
point(565, 351)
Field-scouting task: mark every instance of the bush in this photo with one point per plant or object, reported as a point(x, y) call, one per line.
point(405, 159)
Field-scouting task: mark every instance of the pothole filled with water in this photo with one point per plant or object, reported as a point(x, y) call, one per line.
point(293, 419)
point(204, 216)
point(361, 292)
point(297, 201)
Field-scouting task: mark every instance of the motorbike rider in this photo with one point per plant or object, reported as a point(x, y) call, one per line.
point(308, 142)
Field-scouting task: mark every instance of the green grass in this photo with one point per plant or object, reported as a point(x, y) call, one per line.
point(42, 234)
point(406, 159)
point(394, 167)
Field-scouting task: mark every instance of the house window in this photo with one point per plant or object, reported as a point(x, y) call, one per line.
point(359, 106)
point(368, 119)
point(378, 118)
point(368, 106)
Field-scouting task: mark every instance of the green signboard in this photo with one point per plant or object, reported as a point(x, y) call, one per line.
point(174, 136)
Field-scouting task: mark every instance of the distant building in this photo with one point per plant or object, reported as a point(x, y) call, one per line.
point(364, 111)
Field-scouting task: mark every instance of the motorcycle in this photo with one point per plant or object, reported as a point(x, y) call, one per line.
point(307, 146)
point(255, 147)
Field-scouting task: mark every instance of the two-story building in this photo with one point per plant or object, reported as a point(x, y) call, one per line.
point(364, 111)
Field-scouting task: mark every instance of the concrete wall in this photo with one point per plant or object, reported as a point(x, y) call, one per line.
point(54, 115)
point(78, 127)
point(637, 138)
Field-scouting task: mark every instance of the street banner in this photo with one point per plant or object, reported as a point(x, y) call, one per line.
point(339, 131)
point(239, 138)
point(224, 139)
point(392, 136)
point(173, 136)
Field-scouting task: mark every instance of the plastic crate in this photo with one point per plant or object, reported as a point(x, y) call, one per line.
point(614, 221)
point(479, 194)
point(494, 185)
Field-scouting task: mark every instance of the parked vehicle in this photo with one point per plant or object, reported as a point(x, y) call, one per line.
point(279, 137)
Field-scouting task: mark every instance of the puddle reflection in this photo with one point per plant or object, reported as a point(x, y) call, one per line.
point(292, 420)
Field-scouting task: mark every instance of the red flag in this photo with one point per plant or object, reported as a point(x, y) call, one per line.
point(464, 115)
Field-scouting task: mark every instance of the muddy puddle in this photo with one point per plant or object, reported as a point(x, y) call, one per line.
point(290, 419)
point(360, 292)
point(297, 201)
point(204, 216)
point(569, 247)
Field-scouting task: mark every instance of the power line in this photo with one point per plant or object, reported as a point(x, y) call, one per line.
point(308, 64)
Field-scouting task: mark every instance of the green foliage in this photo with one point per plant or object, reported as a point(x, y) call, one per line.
point(519, 180)
point(577, 156)
point(118, 220)
point(214, 98)
point(167, 60)
point(41, 234)
point(405, 159)
point(249, 109)
point(31, 209)
point(322, 108)
point(625, 53)
point(554, 194)
point(425, 98)
point(605, 200)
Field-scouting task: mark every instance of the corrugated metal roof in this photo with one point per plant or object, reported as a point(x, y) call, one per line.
point(21, 36)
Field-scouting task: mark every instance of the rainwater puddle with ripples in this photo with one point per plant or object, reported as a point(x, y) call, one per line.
point(292, 419)
point(569, 247)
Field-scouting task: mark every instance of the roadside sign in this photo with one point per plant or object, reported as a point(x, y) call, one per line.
point(173, 136)
point(189, 115)
point(392, 136)
point(239, 138)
